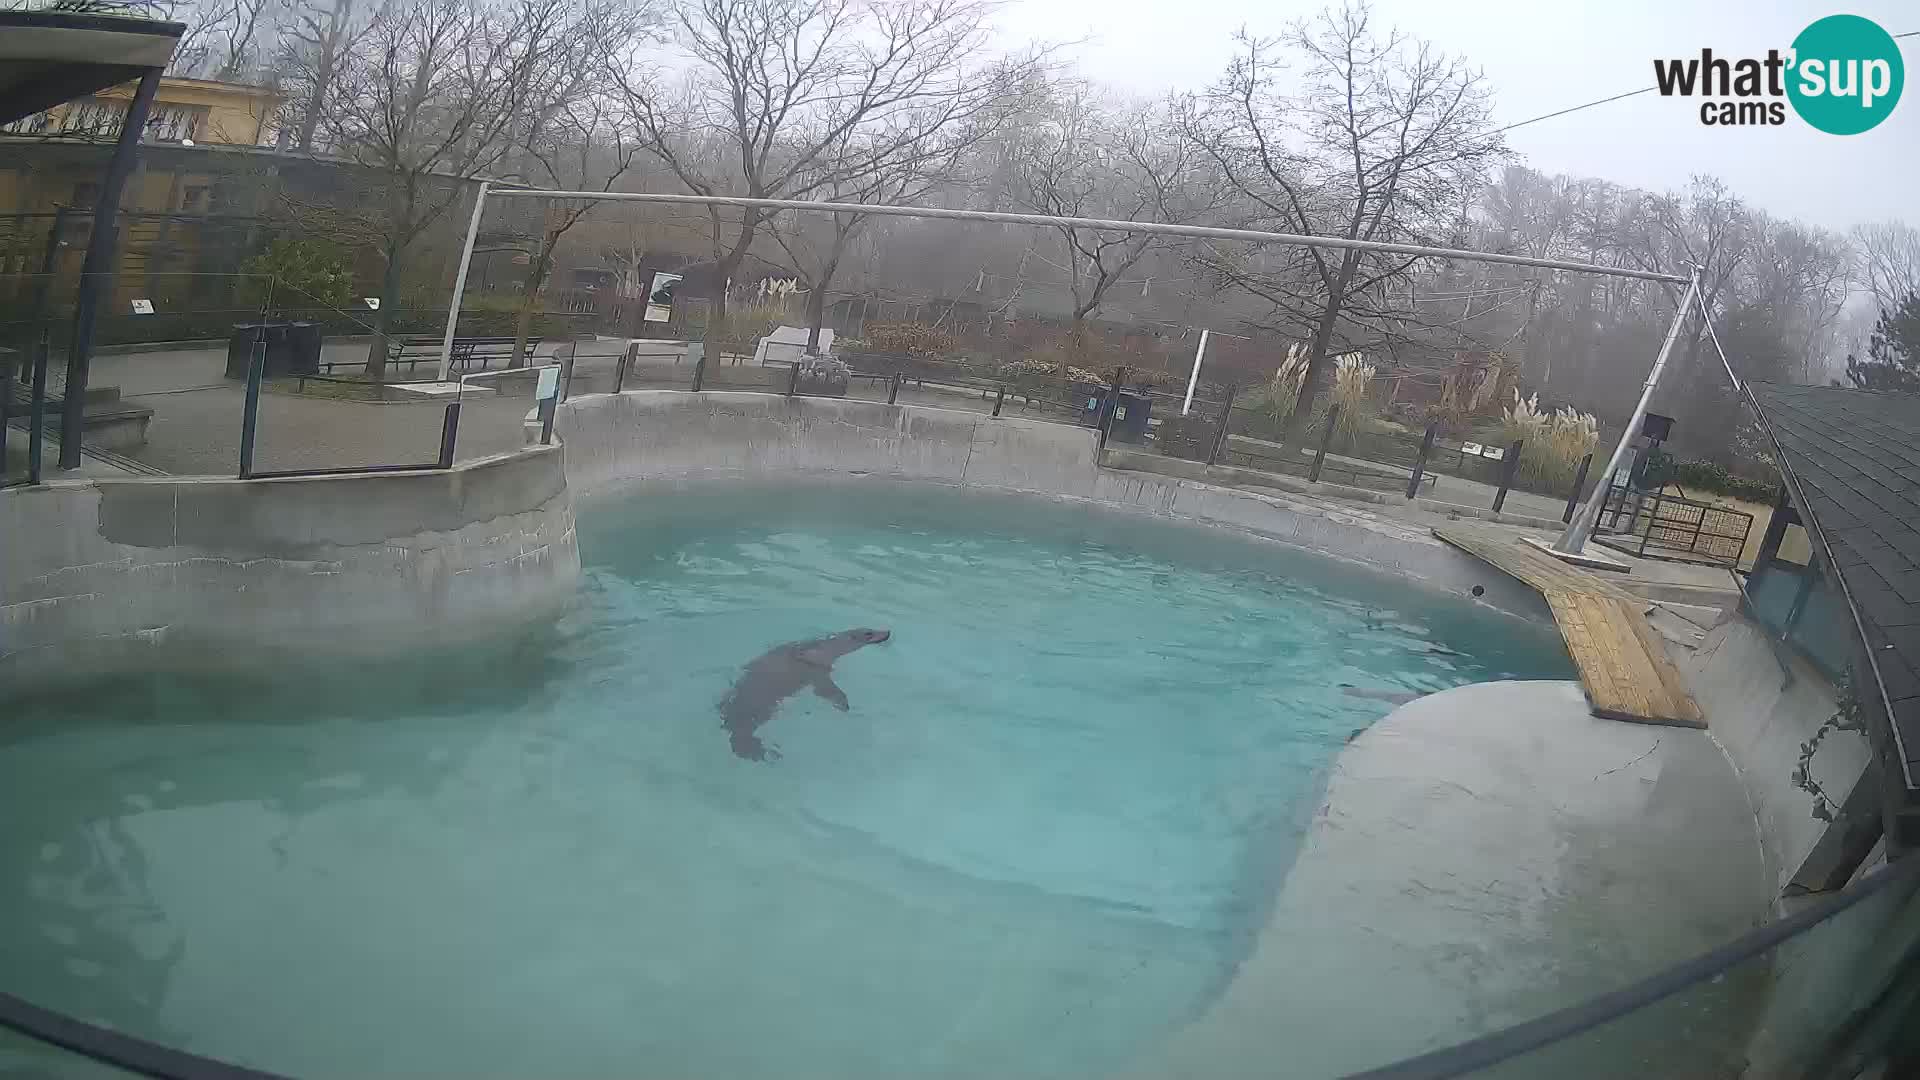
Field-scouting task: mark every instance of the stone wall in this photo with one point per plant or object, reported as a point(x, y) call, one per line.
point(650, 435)
point(99, 577)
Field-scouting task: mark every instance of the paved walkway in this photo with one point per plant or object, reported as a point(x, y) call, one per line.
point(197, 415)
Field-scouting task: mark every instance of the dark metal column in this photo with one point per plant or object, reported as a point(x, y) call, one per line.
point(96, 272)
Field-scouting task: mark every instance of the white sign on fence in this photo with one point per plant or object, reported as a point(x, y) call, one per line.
point(549, 384)
point(143, 307)
point(372, 302)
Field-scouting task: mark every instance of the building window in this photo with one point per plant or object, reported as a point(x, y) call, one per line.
point(100, 118)
point(173, 123)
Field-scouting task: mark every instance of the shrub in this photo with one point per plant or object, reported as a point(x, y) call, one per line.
point(298, 273)
point(913, 339)
point(1352, 377)
point(1035, 369)
point(1555, 442)
point(1711, 476)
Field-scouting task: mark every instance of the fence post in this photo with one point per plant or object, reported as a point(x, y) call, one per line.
point(999, 399)
point(1507, 470)
point(1579, 482)
point(548, 406)
point(1326, 436)
point(893, 388)
point(1653, 515)
point(249, 413)
point(1420, 463)
point(1111, 407)
point(793, 380)
point(449, 433)
point(620, 369)
point(1226, 422)
point(37, 410)
point(6, 406)
point(699, 370)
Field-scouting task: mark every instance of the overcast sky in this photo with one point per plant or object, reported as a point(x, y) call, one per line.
point(1546, 56)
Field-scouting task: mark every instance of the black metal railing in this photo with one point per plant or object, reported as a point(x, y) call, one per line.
point(1662, 526)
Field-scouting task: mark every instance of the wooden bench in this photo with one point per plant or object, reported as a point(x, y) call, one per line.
point(418, 349)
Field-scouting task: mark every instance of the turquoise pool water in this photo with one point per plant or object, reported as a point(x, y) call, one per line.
point(1034, 845)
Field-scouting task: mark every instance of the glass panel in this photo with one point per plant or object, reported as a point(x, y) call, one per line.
point(25, 1057)
point(1815, 1000)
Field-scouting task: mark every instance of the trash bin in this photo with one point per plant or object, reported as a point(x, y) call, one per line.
point(293, 348)
point(302, 352)
point(1130, 417)
point(1092, 399)
point(240, 347)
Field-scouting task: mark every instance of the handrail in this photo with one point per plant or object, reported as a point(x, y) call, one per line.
point(154, 1060)
point(1511, 1042)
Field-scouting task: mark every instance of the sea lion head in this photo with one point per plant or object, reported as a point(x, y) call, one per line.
point(866, 635)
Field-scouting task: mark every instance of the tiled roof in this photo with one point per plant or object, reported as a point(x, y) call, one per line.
point(1852, 461)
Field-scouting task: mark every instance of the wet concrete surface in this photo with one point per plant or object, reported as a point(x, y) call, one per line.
point(1484, 856)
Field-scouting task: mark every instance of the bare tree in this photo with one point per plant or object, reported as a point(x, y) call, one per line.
point(786, 98)
point(427, 98)
point(1386, 141)
point(1085, 156)
point(587, 144)
point(1889, 261)
point(318, 41)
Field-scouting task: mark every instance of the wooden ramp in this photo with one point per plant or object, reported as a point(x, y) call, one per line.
point(1622, 661)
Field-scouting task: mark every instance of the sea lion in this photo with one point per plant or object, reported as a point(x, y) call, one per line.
point(783, 671)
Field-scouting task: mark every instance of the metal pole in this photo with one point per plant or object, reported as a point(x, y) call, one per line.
point(97, 271)
point(1194, 379)
point(449, 433)
point(893, 388)
point(1156, 228)
point(6, 407)
point(37, 412)
point(1579, 483)
point(250, 412)
point(699, 370)
point(1512, 466)
point(1652, 516)
point(1574, 540)
point(793, 380)
point(999, 399)
point(1112, 406)
point(460, 281)
point(620, 370)
point(1226, 422)
point(1326, 436)
point(1420, 463)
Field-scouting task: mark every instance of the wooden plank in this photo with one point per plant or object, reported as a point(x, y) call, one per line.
point(1621, 660)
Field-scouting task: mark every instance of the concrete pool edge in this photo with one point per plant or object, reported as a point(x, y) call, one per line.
point(1449, 843)
point(102, 577)
point(642, 437)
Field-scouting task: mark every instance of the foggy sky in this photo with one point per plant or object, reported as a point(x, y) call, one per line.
point(1546, 56)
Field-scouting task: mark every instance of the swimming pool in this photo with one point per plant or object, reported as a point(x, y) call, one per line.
point(1034, 844)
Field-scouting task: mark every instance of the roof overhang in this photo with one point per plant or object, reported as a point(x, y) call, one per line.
point(50, 57)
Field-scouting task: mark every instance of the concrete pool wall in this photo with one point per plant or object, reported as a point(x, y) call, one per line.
point(100, 577)
point(1505, 804)
point(643, 436)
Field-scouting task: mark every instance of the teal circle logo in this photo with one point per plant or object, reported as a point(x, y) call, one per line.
point(1846, 75)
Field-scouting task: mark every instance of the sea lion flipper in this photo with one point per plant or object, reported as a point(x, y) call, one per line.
point(824, 685)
